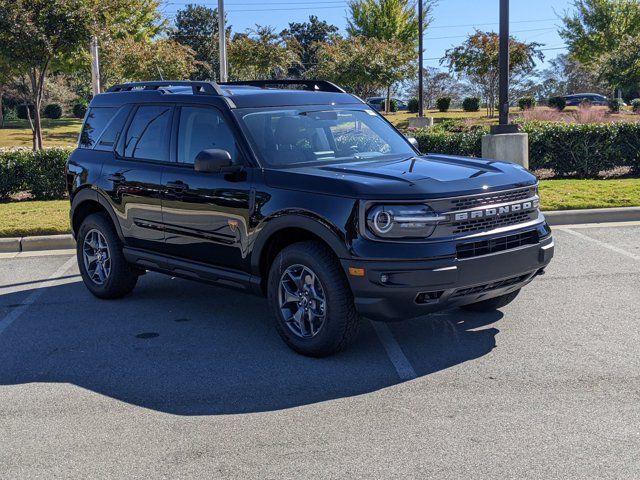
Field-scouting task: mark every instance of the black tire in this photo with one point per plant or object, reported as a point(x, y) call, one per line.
point(122, 277)
point(340, 323)
point(492, 303)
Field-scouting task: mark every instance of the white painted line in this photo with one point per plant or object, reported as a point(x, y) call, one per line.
point(600, 242)
point(38, 253)
point(14, 314)
point(394, 352)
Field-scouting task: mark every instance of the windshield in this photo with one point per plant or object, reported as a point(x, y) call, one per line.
point(294, 136)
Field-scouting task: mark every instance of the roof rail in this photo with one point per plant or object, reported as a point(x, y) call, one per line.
point(315, 85)
point(199, 88)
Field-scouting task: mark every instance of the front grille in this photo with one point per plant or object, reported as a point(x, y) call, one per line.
point(485, 247)
point(485, 224)
point(493, 199)
point(490, 286)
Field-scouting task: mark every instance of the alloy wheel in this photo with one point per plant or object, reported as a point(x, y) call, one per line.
point(96, 256)
point(302, 301)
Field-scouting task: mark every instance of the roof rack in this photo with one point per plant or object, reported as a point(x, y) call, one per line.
point(314, 85)
point(199, 88)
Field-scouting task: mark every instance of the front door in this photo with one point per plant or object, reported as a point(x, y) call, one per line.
point(206, 215)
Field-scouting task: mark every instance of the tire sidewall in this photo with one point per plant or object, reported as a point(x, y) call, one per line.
point(100, 223)
point(333, 326)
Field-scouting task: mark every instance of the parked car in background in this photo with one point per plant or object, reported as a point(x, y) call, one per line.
point(377, 103)
point(590, 98)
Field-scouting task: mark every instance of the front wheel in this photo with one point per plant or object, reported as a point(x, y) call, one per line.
point(102, 265)
point(492, 304)
point(311, 300)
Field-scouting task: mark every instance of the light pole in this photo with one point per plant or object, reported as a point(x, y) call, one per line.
point(223, 43)
point(504, 63)
point(95, 66)
point(420, 61)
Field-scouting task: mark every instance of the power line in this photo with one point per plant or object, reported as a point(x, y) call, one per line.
point(517, 31)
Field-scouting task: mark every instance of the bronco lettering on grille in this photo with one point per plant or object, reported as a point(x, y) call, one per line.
point(496, 211)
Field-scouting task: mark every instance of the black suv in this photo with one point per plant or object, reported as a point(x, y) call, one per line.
point(303, 194)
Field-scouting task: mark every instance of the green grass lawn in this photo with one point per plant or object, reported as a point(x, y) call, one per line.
point(27, 218)
point(62, 132)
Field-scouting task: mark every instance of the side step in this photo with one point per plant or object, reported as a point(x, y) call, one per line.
point(192, 270)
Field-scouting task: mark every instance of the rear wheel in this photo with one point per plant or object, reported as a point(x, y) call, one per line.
point(102, 265)
point(492, 304)
point(311, 300)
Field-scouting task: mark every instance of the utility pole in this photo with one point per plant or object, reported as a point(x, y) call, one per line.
point(420, 61)
point(95, 66)
point(503, 96)
point(223, 43)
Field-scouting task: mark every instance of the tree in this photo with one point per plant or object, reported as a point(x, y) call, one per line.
point(621, 67)
point(5, 81)
point(130, 60)
point(36, 33)
point(197, 27)
point(306, 38)
point(260, 54)
point(364, 65)
point(597, 27)
point(567, 75)
point(390, 20)
point(436, 83)
point(385, 19)
point(477, 60)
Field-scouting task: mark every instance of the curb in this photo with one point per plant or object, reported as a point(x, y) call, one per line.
point(592, 215)
point(36, 244)
point(554, 217)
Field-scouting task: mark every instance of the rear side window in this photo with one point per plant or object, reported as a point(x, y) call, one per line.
point(94, 124)
point(148, 134)
point(109, 136)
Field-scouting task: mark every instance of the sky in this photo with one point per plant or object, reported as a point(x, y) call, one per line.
point(453, 20)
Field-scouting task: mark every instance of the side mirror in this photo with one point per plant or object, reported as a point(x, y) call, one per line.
point(413, 142)
point(213, 160)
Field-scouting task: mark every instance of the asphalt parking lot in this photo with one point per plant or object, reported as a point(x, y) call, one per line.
point(182, 380)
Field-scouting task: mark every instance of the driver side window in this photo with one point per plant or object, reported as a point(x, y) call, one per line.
point(202, 128)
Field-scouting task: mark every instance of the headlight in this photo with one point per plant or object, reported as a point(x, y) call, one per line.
point(402, 221)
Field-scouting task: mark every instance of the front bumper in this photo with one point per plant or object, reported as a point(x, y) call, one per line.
point(399, 290)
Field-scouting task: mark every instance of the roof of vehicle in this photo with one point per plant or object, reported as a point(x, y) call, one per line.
point(263, 93)
point(583, 95)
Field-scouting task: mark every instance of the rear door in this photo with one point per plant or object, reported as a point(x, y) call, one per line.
point(133, 175)
point(206, 215)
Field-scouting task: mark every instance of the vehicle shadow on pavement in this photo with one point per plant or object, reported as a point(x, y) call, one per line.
point(189, 349)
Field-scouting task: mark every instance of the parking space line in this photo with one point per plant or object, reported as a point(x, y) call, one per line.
point(394, 352)
point(600, 242)
point(14, 314)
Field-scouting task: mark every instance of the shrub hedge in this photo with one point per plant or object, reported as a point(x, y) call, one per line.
point(21, 111)
point(413, 105)
point(471, 104)
point(635, 105)
point(559, 103)
point(443, 103)
point(40, 173)
point(79, 109)
point(570, 150)
point(526, 103)
point(53, 110)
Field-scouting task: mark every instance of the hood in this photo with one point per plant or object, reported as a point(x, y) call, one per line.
point(428, 176)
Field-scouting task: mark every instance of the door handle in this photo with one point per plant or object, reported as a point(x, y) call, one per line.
point(116, 177)
point(177, 185)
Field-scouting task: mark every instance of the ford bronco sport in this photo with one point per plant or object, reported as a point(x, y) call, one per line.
point(303, 194)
